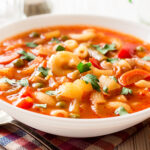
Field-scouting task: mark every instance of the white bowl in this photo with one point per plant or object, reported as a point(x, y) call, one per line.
point(66, 126)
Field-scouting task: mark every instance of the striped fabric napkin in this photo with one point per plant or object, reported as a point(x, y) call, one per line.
point(13, 138)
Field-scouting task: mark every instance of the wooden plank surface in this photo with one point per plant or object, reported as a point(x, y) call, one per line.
point(140, 141)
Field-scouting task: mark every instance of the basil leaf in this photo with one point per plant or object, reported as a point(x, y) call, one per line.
point(105, 49)
point(9, 81)
point(51, 92)
point(84, 67)
point(105, 89)
point(121, 111)
point(40, 105)
point(89, 78)
point(44, 71)
point(60, 48)
point(26, 55)
point(146, 58)
point(23, 82)
point(126, 91)
point(112, 60)
point(34, 34)
point(31, 44)
point(114, 78)
point(55, 40)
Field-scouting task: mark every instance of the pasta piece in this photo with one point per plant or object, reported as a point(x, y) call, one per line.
point(52, 34)
point(117, 42)
point(81, 51)
point(73, 75)
point(84, 36)
point(98, 72)
point(63, 63)
point(106, 65)
point(4, 86)
point(109, 83)
point(71, 44)
point(74, 106)
point(114, 105)
point(9, 72)
point(44, 50)
point(59, 113)
point(44, 98)
point(121, 66)
point(97, 98)
point(121, 98)
point(143, 84)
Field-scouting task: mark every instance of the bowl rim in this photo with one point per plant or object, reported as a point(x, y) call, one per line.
point(90, 120)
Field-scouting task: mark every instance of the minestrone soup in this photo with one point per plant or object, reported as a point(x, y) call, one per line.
point(75, 72)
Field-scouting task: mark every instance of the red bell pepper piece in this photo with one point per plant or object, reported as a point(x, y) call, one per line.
point(26, 91)
point(95, 62)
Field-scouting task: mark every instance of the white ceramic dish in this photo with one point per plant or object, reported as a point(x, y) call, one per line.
point(65, 126)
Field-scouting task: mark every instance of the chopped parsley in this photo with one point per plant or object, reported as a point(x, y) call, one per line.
point(84, 67)
point(60, 48)
point(105, 89)
point(40, 105)
point(64, 38)
point(126, 91)
point(44, 71)
point(130, 1)
point(89, 78)
point(121, 111)
point(51, 92)
point(31, 44)
point(105, 49)
point(55, 40)
point(26, 55)
point(146, 58)
point(112, 60)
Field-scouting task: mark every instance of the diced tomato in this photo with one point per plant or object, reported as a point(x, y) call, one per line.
point(125, 53)
point(95, 62)
point(26, 91)
point(133, 76)
point(25, 103)
point(8, 57)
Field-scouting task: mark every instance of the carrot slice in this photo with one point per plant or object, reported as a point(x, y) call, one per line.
point(133, 76)
point(8, 57)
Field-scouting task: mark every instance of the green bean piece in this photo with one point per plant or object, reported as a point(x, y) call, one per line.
point(73, 115)
point(18, 63)
point(61, 104)
point(37, 85)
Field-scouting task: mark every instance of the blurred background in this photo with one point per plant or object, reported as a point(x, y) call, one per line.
point(134, 10)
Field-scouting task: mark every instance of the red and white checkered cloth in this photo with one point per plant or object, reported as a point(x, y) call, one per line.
point(13, 138)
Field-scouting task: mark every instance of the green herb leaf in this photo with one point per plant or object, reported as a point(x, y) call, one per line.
point(40, 105)
point(105, 49)
point(112, 60)
point(23, 82)
point(130, 1)
point(44, 71)
point(60, 48)
point(31, 44)
point(64, 38)
point(84, 67)
point(114, 78)
point(89, 78)
point(105, 89)
point(9, 81)
point(121, 111)
point(146, 58)
point(26, 55)
point(55, 40)
point(34, 34)
point(51, 92)
point(126, 91)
